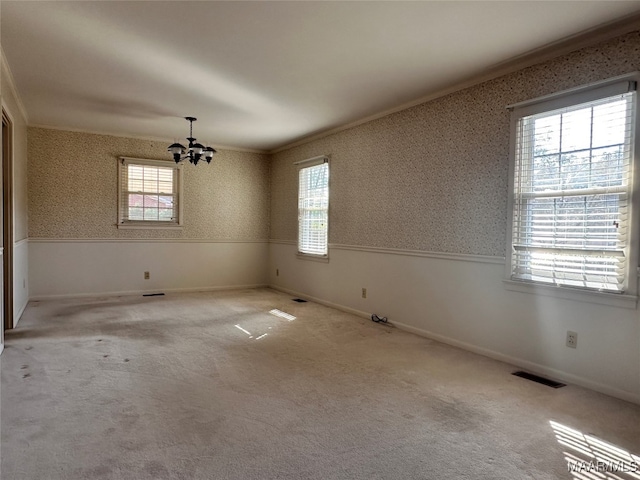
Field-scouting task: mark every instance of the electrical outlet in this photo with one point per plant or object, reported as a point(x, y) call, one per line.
point(277, 272)
point(364, 293)
point(146, 275)
point(572, 339)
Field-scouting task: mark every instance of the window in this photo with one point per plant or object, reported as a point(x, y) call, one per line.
point(313, 206)
point(149, 194)
point(572, 185)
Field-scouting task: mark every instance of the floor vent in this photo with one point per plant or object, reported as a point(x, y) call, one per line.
point(299, 300)
point(152, 294)
point(536, 378)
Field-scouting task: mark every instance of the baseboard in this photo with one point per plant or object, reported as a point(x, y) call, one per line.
point(342, 308)
point(128, 293)
point(519, 362)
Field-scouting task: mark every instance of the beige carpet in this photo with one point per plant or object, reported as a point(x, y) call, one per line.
point(213, 386)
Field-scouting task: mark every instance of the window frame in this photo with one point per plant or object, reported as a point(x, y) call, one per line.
point(123, 163)
point(301, 165)
point(568, 98)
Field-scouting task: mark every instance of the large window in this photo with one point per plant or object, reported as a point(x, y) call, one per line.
point(149, 193)
point(572, 190)
point(313, 206)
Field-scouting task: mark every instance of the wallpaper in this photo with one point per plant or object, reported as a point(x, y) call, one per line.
point(73, 189)
point(435, 177)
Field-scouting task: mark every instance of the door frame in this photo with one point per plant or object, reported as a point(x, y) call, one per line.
point(7, 219)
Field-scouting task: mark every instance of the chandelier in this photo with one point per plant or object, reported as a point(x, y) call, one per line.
point(195, 152)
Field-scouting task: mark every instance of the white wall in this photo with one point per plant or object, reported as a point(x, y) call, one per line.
point(461, 300)
point(20, 278)
point(102, 267)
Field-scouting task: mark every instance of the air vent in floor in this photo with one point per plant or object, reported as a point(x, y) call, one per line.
point(299, 300)
point(538, 379)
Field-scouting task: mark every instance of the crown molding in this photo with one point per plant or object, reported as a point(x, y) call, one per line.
point(13, 88)
point(584, 39)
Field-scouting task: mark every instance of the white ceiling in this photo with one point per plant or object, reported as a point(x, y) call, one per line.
point(259, 75)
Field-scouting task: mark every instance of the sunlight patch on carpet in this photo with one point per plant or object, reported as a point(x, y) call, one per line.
point(280, 313)
point(243, 330)
point(590, 458)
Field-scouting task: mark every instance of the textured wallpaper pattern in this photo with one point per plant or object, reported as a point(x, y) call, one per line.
point(435, 177)
point(73, 189)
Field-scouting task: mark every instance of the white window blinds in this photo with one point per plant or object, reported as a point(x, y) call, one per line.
point(313, 208)
point(571, 194)
point(149, 192)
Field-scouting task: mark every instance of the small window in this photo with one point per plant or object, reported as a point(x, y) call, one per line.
point(573, 160)
point(313, 207)
point(149, 194)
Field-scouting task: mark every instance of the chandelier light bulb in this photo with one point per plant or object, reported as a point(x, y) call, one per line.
point(208, 154)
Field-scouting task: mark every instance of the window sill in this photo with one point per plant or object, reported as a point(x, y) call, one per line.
point(590, 296)
point(148, 226)
point(313, 258)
